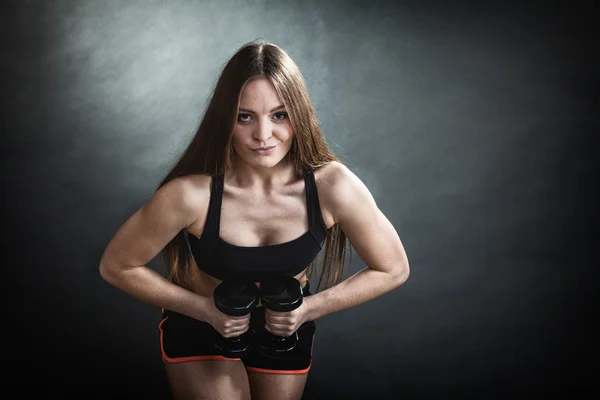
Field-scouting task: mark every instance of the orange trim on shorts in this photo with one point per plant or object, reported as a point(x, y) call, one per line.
point(278, 371)
point(185, 359)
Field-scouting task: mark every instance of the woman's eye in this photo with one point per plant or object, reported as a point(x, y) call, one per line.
point(247, 117)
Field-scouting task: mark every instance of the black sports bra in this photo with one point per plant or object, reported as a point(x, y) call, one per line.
point(223, 260)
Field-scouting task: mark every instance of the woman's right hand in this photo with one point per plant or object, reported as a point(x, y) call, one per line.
point(227, 326)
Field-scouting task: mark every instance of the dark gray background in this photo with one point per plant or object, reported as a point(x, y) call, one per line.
point(471, 124)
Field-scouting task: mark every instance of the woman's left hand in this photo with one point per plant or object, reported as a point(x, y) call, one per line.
point(286, 323)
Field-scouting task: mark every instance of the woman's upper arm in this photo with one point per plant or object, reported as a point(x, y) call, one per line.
point(371, 234)
point(173, 207)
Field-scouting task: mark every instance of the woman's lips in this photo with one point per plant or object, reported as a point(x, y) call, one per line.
point(264, 150)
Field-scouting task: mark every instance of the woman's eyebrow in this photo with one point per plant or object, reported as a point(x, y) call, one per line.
point(253, 112)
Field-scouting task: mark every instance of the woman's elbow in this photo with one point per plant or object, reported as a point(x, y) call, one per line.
point(401, 273)
point(107, 272)
point(110, 271)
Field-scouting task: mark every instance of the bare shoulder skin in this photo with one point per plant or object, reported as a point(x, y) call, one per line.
point(325, 177)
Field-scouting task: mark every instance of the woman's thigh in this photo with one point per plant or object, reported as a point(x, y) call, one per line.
point(265, 386)
point(208, 379)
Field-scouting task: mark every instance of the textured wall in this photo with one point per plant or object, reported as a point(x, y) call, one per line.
point(467, 123)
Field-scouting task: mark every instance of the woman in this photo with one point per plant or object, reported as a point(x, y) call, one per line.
point(257, 190)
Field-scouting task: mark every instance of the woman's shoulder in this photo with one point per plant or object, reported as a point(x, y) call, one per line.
point(333, 180)
point(195, 182)
point(332, 175)
point(187, 191)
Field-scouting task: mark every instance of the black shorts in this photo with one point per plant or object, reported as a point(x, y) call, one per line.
point(186, 339)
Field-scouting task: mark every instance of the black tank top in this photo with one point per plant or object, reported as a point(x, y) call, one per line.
point(223, 260)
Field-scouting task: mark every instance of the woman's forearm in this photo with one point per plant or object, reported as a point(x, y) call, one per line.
point(360, 288)
point(150, 287)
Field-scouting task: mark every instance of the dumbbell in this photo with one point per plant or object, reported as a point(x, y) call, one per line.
point(235, 297)
point(281, 294)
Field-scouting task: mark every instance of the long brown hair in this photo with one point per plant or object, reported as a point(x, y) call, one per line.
point(210, 151)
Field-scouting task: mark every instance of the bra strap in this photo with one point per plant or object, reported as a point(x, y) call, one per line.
point(213, 218)
point(316, 225)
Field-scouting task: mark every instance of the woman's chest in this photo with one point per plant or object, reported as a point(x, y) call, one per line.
point(253, 221)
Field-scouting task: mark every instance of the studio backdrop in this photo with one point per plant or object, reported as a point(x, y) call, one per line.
point(465, 121)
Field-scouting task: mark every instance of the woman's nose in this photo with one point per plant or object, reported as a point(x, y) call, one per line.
point(263, 130)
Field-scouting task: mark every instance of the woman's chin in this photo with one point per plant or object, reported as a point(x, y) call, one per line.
point(266, 163)
point(263, 162)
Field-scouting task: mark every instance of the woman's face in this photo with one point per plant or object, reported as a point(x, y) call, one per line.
point(263, 133)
